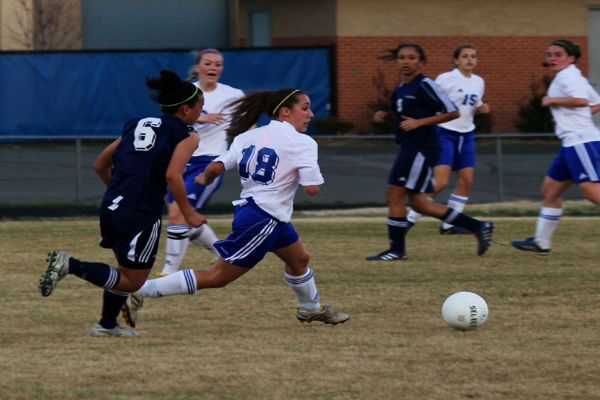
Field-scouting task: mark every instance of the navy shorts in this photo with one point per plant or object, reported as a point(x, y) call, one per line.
point(413, 169)
point(198, 195)
point(254, 233)
point(579, 163)
point(132, 234)
point(458, 149)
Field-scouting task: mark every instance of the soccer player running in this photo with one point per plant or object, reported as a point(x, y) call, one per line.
point(571, 100)
point(151, 153)
point(271, 161)
point(211, 127)
point(419, 104)
point(457, 138)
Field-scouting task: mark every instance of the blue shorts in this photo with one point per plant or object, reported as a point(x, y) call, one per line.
point(132, 234)
point(579, 163)
point(198, 195)
point(254, 233)
point(458, 149)
point(413, 169)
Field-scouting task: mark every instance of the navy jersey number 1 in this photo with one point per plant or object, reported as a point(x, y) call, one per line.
point(266, 164)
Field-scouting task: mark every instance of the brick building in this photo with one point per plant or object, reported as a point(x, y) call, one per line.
point(511, 37)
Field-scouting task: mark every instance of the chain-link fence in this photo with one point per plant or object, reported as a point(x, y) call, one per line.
point(59, 172)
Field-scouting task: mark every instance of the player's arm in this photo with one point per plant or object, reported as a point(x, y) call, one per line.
point(312, 190)
point(179, 159)
point(564, 101)
point(103, 164)
point(408, 124)
point(212, 172)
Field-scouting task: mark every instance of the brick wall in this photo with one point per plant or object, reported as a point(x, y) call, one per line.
point(508, 65)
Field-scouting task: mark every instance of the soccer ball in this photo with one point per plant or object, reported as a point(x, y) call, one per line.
point(465, 310)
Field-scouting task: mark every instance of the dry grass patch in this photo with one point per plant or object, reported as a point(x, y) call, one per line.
point(243, 342)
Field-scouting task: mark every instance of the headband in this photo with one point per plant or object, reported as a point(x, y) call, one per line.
point(183, 101)
point(568, 46)
point(283, 101)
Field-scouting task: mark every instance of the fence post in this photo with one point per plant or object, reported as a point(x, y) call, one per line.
point(499, 169)
point(78, 170)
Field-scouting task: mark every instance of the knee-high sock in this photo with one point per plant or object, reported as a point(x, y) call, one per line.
point(547, 223)
point(397, 228)
point(205, 237)
point(180, 282)
point(177, 243)
point(112, 302)
point(305, 288)
point(462, 220)
point(99, 274)
point(458, 203)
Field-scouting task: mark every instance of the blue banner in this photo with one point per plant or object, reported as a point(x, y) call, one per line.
point(93, 93)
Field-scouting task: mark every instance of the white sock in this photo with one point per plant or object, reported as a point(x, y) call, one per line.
point(205, 237)
point(177, 243)
point(180, 282)
point(547, 223)
point(305, 288)
point(458, 203)
point(413, 216)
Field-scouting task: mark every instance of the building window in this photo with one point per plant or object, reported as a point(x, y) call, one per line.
point(260, 28)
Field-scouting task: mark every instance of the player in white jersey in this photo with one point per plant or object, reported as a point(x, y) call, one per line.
point(457, 137)
point(571, 100)
point(211, 127)
point(271, 161)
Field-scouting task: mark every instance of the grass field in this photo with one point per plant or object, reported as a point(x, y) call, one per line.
point(541, 340)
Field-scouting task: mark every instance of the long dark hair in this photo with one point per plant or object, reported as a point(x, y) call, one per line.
point(247, 110)
point(571, 48)
point(171, 92)
point(392, 54)
point(460, 48)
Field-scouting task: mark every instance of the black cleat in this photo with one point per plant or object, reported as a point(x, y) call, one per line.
point(530, 244)
point(387, 255)
point(484, 237)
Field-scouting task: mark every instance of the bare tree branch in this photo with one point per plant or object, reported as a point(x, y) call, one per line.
point(45, 25)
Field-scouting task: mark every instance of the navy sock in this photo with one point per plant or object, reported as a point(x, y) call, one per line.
point(397, 228)
point(99, 274)
point(459, 219)
point(111, 307)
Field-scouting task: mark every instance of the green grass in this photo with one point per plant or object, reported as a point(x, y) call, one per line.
point(242, 342)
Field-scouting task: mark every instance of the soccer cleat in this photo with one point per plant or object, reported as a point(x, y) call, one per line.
point(388, 255)
point(454, 230)
point(129, 310)
point(325, 314)
point(484, 237)
point(58, 268)
point(118, 331)
point(530, 244)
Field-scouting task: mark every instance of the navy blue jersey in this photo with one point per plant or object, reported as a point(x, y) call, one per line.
point(141, 160)
point(420, 98)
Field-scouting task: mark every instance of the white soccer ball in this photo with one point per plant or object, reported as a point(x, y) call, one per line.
point(465, 310)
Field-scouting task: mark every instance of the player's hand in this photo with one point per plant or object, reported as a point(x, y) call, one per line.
point(200, 179)
point(409, 124)
point(212, 118)
point(195, 219)
point(483, 109)
point(379, 117)
point(547, 101)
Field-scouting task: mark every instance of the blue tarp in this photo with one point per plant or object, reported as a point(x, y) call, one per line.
point(93, 93)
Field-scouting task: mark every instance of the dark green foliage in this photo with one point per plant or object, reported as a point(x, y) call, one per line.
point(382, 102)
point(532, 117)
